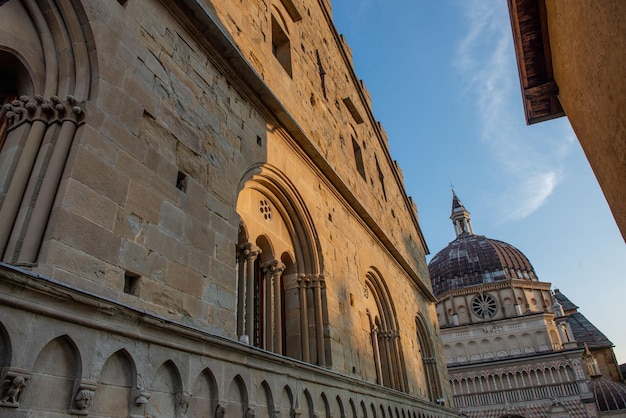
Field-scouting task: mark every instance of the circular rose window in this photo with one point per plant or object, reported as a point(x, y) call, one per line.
point(484, 306)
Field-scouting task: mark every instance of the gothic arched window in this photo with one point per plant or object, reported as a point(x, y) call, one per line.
point(385, 336)
point(429, 361)
point(278, 275)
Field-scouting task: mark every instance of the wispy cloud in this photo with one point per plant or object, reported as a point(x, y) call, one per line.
point(527, 168)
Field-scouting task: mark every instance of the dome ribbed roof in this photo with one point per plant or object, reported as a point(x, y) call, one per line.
point(474, 259)
point(610, 395)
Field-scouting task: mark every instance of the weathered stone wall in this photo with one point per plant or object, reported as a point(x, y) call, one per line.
point(316, 101)
point(177, 121)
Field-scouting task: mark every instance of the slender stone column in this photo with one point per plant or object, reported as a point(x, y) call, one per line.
point(268, 299)
point(277, 273)
point(304, 321)
point(242, 252)
point(375, 348)
point(39, 113)
point(16, 135)
point(50, 184)
point(318, 281)
point(253, 253)
point(395, 341)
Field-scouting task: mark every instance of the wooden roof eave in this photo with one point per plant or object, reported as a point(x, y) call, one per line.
point(531, 40)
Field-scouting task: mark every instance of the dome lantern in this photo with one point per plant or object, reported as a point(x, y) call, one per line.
point(460, 217)
point(473, 259)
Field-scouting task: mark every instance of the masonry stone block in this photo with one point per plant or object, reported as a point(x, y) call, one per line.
point(83, 234)
point(89, 204)
point(144, 202)
point(100, 176)
point(172, 220)
point(166, 245)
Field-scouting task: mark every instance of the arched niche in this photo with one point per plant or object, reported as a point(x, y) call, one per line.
point(55, 373)
point(363, 410)
point(237, 398)
point(373, 409)
point(353, 412)
point(5, 351)
point(309, 407)
point(338, 409)
point(115, 382)
point(265, 402)
point(204, 397)
point(324, 402)
point(164, 388)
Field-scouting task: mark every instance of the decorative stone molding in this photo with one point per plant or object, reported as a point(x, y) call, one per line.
point(27, 109)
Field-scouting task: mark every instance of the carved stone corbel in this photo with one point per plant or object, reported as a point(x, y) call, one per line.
point(82, 401)
point(139, 399)
point(182, 403)
point(12, 388)
point(220, 411)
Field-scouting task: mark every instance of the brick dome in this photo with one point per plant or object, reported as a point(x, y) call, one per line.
point(474, 259)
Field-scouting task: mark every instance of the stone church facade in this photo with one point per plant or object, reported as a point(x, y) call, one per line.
point(201, 217)
point(513, 347)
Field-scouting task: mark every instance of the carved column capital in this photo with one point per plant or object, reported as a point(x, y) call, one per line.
point(29, 109)
point(318, 280)
point(303, 280)
point(249, 251)
point(273, 268)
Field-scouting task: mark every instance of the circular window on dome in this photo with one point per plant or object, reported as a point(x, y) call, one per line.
point(484, 306)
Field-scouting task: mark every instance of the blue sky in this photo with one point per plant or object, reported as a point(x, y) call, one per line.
point(445, 86)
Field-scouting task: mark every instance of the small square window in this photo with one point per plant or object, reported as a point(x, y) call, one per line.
point(181, 181)
point(281, 47)
point(358, 158)
point(131, 283)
